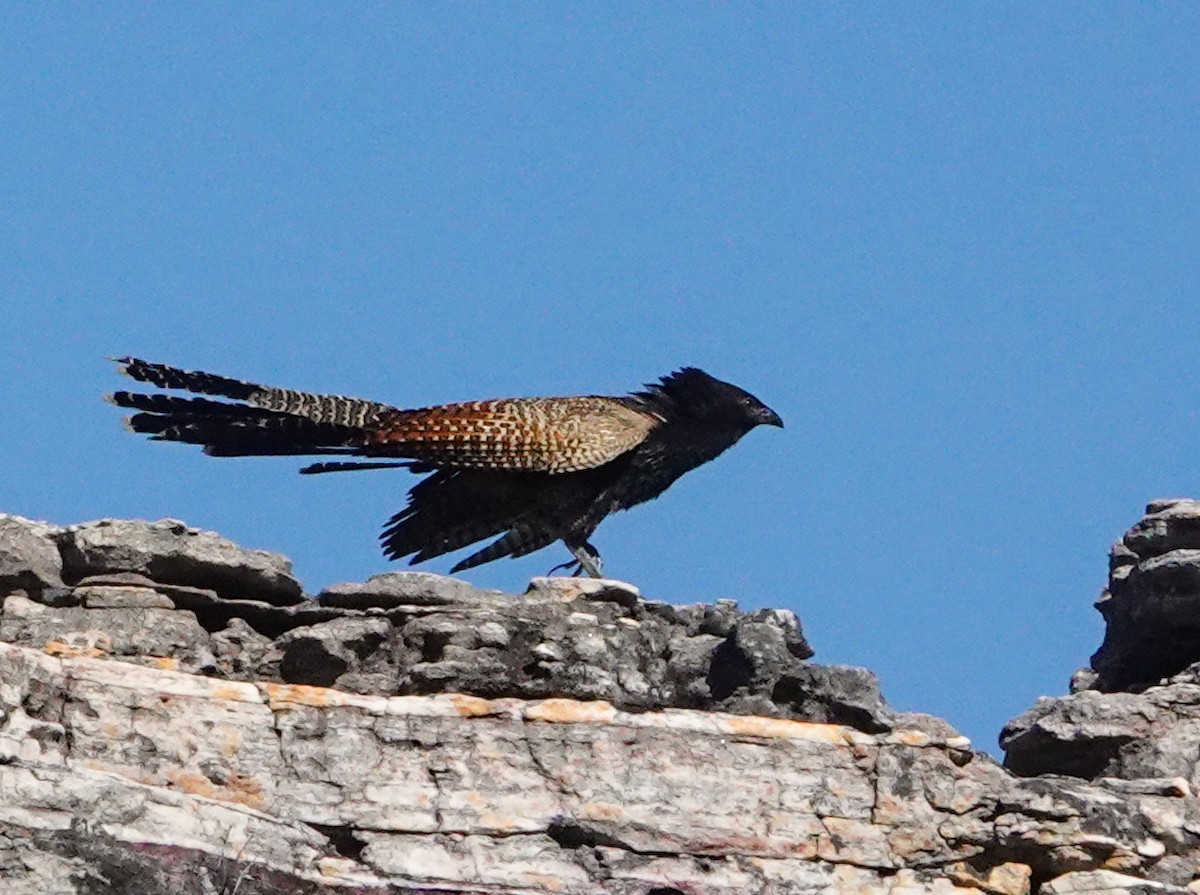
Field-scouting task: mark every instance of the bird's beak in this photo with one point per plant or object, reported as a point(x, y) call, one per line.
point(768, 417)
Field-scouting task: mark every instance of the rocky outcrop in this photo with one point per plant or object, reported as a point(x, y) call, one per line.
point(1135, 713)
point(1152, 600)
point(176, 716)
point(164, 594)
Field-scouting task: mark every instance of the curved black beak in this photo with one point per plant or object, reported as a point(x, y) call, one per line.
point(768, 417)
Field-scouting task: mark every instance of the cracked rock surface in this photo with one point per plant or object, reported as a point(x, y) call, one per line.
point(176, 716)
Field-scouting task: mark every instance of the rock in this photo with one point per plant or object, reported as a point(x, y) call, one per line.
point(596, 589)
point(1169, 787)
point(175, 718)
point(242, 653)
point(1169, 524)
point(396, 589)
point(1003, 879)
point(837, 694)
point(163, 638)
point(29, 557)
point(1095, 882)
point(1149, 732)
point(72, 830)
point(171, 553)
point(1084, 679)
point(107, 596)
point(1152, 735)
point(1152, 604)
point(464, 794)
point(334, 651)
point(422, 633)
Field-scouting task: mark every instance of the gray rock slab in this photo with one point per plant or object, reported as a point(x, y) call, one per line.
point(1147, 736)
point(29, 556)
point(110, 596)
point(1171, 524)
point(398, 589)
point(1108, 882)
point(163, 637)
point(325, 653)
point(170, 552)
point(456, 793)
point(243, 654)
point(573, 637)
point(1151, 606)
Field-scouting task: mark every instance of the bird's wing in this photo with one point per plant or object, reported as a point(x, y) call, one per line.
point(553, 435)
point(456, 507)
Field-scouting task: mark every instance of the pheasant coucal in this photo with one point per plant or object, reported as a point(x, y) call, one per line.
point(531, 470)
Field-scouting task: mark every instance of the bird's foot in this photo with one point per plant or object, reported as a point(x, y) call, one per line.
point(587, 560)
point(575, 566)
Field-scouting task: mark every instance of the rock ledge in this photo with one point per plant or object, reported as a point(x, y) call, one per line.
point(176, 716)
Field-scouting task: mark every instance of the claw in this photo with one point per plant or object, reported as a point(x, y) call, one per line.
point(587, 559)
point(569, 564)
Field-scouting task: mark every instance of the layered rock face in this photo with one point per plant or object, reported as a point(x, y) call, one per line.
point(177, 716)
point(1135, 713)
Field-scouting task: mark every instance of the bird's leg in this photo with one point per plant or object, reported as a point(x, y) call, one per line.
point(587, 559)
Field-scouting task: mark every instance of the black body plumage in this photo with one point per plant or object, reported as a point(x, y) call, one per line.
point(528, 471)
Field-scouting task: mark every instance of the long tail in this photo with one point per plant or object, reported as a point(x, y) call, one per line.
point(265, 421)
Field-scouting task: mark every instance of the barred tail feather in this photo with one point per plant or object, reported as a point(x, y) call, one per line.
point(247, 435)
point(226, 429)
point(336, 409)
point(200, 383)
point(165, 404)
point(520, 540)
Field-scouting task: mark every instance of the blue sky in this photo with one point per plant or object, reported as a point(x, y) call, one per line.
point(953, 245)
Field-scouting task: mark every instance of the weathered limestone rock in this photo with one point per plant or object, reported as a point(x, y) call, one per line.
point(175, 718)
point(1094, 882)
point(149, 635)
point(171, 553)
point(398, 589)
point(453, 792)
point(412, 632)
point(1152, 603)
point(29, 557)
point(1149, 735)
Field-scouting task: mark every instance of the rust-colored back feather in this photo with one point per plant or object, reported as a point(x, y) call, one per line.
point(555, 435)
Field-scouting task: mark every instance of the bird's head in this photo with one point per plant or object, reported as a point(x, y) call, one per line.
point(693, 392)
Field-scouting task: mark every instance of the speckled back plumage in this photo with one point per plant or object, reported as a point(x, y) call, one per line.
point(528, 470)
point(553, 435)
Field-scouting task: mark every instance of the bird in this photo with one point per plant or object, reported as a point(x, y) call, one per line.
point(525, 471)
